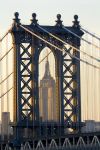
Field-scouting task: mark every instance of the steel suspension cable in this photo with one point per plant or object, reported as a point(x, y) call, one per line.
point(6, 67)
point(6, 78)
point(6, 53)
point(88, 42)
point(92, 34)
point(6, 92)
point(9, 30)
point(2, 81)
point(45, 57)
point(97, 59)
point(39, 37)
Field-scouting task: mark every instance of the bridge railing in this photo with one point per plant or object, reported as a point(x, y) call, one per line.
point(81, 144)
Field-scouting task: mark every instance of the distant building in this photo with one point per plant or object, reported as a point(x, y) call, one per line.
point(91, 126)
point(47, 102)
point(5, 124)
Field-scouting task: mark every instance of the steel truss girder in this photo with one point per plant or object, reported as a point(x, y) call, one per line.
point(25, 90)
point(71, 89)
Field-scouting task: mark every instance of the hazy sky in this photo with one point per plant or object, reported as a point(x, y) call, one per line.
point(88, 11)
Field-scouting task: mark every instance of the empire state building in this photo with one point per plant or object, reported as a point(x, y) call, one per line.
point(47, 103)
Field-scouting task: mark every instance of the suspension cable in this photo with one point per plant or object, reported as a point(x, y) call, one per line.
point(2, 57)
point(6, 53)
point(6, 78)
point(39, 37)
point(92, 34)
point(88, 42)
point(6, 92)
point(45, 57)
point(97, 59)
point(9, 30)
point(2, 81)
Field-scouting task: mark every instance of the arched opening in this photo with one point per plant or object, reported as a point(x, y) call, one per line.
point(47, 86)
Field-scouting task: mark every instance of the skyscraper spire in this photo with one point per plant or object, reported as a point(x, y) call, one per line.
point(47, 68)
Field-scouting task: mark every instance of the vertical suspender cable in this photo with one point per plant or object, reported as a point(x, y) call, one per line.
point(1, 106)
point(97, 88)
point(83, 85)
point(99, 82)
point(7, 86)
point(95, 94)
point(1, 85)
point(87, 86)
point(93, 87)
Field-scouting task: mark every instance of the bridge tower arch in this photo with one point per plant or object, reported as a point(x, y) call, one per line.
point(67, 68)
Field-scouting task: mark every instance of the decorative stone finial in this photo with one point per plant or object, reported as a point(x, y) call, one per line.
point(16, 19)
point(34, 20)
point(76, 22)
point(59, 21)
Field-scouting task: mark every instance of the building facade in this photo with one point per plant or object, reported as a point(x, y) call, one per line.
point(5, 127)
point(47, 102)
